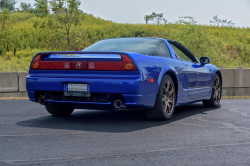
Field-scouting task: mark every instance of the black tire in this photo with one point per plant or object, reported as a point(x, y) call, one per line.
point(165, 101)
point(58, 111)
point(214, 101)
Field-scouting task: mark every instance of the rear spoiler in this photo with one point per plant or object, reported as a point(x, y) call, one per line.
point(80, 55)
point(105, 61)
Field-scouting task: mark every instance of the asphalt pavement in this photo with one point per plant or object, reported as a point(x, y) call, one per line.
point(194, 136)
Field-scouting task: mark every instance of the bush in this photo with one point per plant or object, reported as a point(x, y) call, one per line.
point(25, 34)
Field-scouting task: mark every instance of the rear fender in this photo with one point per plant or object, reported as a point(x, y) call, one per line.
point(154, 67)
point(163, 73)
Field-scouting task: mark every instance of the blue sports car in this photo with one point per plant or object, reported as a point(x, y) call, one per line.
point(153, 74)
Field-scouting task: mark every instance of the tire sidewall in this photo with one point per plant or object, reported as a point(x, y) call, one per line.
point(160, 94)
point(213, 91)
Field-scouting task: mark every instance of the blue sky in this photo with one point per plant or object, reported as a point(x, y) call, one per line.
point(133, 11)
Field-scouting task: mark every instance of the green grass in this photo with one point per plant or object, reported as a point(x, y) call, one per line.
point(25, 34)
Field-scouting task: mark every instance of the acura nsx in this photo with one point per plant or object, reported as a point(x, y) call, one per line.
point(152, 74)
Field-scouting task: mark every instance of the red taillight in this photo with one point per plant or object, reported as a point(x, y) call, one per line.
point(125, 65)
point(35, 62)
point(38, 58)
point(38, 64)
point(57, 65)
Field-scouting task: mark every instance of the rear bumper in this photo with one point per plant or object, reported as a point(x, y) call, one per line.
point(125, 84)
point(131, 87)
point(131, 101)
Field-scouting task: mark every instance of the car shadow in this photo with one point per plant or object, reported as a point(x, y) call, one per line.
point(111, 121)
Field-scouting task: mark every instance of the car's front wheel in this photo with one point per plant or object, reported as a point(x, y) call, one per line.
point(165, 101)
point(58, 111)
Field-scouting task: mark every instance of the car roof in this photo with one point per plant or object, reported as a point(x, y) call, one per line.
point(170, 41)
point(135, 38)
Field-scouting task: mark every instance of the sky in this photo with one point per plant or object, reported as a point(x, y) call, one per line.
point(133, 11)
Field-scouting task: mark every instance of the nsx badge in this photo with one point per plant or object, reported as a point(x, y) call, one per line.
point(78, 65)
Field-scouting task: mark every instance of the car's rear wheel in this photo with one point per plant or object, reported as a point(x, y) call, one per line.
point(165, 101)
point(216, 93)
point(58, 111)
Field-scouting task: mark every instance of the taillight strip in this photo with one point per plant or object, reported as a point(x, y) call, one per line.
point(125, 65)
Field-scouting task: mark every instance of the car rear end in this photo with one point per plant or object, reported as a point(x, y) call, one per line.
point(92, 80)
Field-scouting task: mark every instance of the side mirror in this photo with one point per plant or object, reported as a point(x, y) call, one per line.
point(204, 60)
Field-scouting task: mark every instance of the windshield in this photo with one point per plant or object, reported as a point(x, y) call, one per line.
point(144, 46)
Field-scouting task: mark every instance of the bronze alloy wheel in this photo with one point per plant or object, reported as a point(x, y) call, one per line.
point(168, 97)
point(214, 101)
point(216, 90)
point(165, 101)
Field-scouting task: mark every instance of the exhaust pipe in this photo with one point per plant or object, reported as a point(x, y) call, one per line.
point(42, 100)
point(118, 104)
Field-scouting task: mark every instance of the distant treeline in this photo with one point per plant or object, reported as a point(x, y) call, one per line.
point(62, 26)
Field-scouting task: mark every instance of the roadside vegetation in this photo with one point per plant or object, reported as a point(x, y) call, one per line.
point(59, 25)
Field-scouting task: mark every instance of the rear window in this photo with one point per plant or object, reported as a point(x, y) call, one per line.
point(146, 46)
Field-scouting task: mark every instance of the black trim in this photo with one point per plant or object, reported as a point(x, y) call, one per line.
point(184, 50)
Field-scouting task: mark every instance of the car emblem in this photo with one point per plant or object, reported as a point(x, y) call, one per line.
point(78, 65)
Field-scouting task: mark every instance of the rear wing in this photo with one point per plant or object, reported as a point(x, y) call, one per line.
point(80, 60)
point(80, 55)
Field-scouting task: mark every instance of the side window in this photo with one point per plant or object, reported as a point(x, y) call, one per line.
point(162, 50)
point(181, 55)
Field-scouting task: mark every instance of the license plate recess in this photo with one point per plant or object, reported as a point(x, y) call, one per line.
point(77, 90)
point(77, 87)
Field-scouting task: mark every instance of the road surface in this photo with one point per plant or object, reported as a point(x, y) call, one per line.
point(194, 136)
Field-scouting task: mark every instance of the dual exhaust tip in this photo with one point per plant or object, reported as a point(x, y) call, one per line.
point(42, 100)
point(118, 104)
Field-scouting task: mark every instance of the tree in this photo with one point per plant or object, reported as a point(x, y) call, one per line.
point(25, 7)
point(159, 18)
point(155, 18)
point(196, 39)
point(147, 18)
point(41, 7)
point(230, 23)
point(4, 17)
point(4, 27)
point(216, 21)
point(68, 17)
point(7, 4)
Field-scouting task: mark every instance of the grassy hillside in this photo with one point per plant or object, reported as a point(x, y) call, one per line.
point(22, 35)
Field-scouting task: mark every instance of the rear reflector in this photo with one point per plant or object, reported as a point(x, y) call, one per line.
point(150, 80)
point(128, 66)
point(35, 65)
point(125, 65)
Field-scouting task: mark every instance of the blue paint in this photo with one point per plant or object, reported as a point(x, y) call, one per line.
point(82, 57)
point(194, 79)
